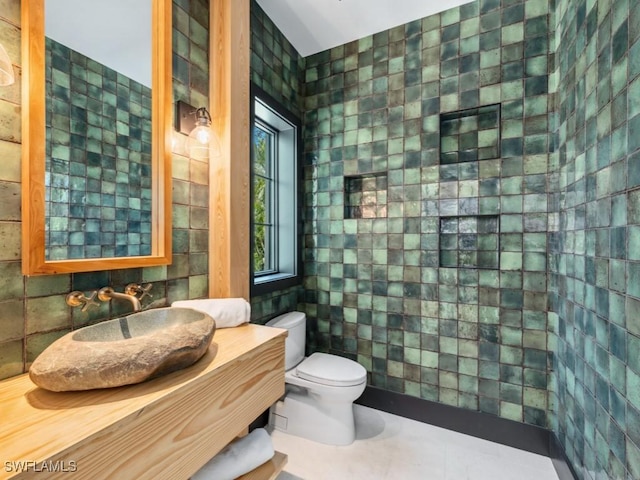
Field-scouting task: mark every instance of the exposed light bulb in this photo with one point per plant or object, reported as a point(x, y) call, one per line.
point(201, 139)
point(201, 142)
point(202, 134)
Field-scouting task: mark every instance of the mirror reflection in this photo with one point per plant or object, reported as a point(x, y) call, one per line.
point(98, 177)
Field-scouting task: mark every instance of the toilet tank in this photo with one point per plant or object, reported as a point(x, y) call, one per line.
point(294, 346)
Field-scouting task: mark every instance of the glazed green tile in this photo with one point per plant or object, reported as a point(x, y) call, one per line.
point(12, 320)
point(469, 385)
point(633, 205)
point(633, 239)
point(633, 388)
point(198, 286)
point(633, 279)
point(634, 103)
point(634, 62)
point(511, 336)
point(46, 313)
point(177, 289)
point(11, 358)
point(429, 359)
point(11, 282)
point(511, 411)
point(633, 458)
point(10, 233)
point(10, 199)
point(47, 285)
point(37, 343)
point(510, 261)
point(10, 170)
point(535, 237)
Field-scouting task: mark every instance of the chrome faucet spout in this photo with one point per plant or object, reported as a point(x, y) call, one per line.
point(107, 293)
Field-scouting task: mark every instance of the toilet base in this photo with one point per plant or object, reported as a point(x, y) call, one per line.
point(302, 415)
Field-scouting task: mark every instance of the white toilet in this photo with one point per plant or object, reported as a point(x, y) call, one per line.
point(319, 390)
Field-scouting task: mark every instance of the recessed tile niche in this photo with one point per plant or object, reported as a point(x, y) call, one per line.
point(470, 242)
point(365, 196)
point(470, 135)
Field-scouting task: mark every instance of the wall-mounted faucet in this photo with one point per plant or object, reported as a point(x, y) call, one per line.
point(134, 289)
point(108, 293)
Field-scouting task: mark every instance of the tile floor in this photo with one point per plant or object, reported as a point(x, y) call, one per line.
point(389, 447)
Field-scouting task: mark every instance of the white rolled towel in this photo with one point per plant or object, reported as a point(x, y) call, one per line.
point(227, 312)
point(239, 457)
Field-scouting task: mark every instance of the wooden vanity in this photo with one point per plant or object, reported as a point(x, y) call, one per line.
point(166, 428)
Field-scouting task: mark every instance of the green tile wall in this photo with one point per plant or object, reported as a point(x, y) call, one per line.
point(470, 242)
point(98, 159)
point(481, 339)
point(278, 69)
point(33, 312)
point(265, 307)
point(470, 135)
point(365, 196)
point(594, 269)
point(276, 66)
point(468, 337)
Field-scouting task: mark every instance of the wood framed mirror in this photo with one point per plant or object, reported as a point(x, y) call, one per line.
point(96, 141)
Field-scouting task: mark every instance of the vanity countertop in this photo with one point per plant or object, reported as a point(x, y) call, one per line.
point(167, 427)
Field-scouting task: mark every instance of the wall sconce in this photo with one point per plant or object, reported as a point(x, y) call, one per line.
point(196, 122)
point(7, 76)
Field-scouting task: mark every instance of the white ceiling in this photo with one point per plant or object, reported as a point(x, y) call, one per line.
point(316, 25)
point(115, 33)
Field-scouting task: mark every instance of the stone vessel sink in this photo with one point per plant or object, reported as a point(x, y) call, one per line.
point(125, 350)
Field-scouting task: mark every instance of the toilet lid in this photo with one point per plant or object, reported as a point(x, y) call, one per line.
point(331, 370)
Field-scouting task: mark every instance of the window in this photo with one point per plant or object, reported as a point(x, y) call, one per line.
point(275, 199)
point(264, 204)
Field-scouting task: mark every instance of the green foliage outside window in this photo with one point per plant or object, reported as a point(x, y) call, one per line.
point(259, 200)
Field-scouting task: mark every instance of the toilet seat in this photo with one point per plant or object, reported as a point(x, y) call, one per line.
point(331, 370)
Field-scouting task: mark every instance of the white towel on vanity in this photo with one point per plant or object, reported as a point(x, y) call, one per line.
point(227, 312)
point(239, 457)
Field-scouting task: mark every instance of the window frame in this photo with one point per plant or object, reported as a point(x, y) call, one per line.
point(291, 274)
point(272, 194)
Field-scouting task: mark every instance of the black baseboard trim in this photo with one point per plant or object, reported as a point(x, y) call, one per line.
point(477, 424)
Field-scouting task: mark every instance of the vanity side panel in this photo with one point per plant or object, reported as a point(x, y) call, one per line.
point(173, 438)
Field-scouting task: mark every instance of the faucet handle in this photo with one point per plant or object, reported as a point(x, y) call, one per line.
point(77, 298)
point(133, 289)
point(145, 291)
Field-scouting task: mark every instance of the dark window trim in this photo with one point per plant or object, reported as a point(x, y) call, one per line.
point(280, 281)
